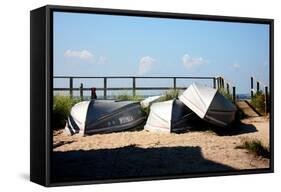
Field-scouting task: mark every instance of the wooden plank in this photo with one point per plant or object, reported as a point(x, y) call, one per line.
point(105, 87)
point(175, 83)
point(81, 92)
point(234, 94)
point(71, 87)
point(247, 109)
point(124, 77)
point(119, 88)
point(227, 88)
point(214, 83)
point(134, 86)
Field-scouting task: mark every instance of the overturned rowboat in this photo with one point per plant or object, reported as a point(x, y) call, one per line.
point(209, 104)
point(104, 116)
point(171, 116)
point(197, 104)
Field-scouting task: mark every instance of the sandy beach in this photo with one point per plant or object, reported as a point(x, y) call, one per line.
point(143, 153)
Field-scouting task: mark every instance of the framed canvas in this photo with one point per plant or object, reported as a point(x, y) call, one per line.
point(126, 95)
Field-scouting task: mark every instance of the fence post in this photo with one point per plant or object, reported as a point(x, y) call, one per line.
point(252, 87)
point(222, 82)
point(266, 100)
point(71, 86)
point(104, 87)
point(81, 92)
point(234, 94)
point(134, 86)
point(227, 88)
point(258, 86)
point(214, 83)
point(218, 81)
point(175, 82)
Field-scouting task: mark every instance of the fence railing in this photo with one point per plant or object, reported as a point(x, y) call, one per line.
point(133, 87)
point(226, 86)
point(256, 87)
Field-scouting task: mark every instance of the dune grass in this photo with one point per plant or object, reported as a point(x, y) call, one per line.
point(255, 146)
point(61, 109)
point(170, 94)
point(225, 94)
point(127, 97)
point(258, 102)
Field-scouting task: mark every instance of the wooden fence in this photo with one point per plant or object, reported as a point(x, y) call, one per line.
point(227, 87)
point(256, 87)
point(217, 82)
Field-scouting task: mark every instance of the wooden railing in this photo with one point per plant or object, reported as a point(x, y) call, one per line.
point(258, 86)
point(133, 88)
point(226, 86)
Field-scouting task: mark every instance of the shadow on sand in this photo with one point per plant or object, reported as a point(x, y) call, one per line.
point(237, 128)
point(130, 161)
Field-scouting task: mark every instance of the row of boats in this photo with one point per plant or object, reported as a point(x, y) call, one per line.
point(197, 105)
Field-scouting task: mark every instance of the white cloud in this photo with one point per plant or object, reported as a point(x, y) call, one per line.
point(235, 66)
point(145, 65)
point(190, 62)
point(83, 54)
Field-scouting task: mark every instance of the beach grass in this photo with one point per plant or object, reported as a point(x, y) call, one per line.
point(255, 146)
point(225, 94)
point(61, 109)
point(170, 94)
point(127, 97)
point(258, 102)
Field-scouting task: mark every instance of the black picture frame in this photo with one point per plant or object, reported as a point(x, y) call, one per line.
point(41, 83)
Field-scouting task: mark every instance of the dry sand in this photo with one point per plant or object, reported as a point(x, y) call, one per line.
point(142, 153)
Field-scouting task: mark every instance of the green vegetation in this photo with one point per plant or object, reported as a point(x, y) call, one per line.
point(258, 102)
point(255, 146)
point(170, 94)
point(145, 111)
point(126, 97)
point(61, 108)
point(225, 94)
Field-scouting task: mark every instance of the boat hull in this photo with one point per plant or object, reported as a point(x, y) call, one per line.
point(103, 116)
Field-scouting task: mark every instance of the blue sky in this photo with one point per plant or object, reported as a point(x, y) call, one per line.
point(104, 45)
